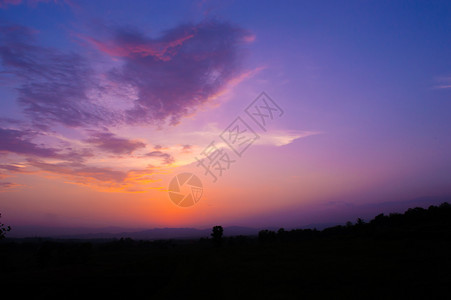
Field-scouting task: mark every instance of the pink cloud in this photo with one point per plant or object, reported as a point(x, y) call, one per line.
point(161, 50)
point(177, 72)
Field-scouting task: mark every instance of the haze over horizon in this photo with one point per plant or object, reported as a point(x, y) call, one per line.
point(104, 103)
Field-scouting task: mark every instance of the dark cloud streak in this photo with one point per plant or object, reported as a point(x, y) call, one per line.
point(109, 142)
point(81, 171)
point(167, 158)
point(16, 141)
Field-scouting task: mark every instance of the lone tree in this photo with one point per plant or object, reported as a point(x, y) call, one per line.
point(216, 234)
point(3, 229)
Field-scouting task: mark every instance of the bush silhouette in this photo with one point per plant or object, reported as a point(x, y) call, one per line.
point(3, 229)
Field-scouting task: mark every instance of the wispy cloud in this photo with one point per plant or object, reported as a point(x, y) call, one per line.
point(167, 158)
point(443, 83)
point(108, 142)
point(7, 185)
point(283, 137)
point(101, 178)
point(274, 137)
point(13, 168)
point(81, 171)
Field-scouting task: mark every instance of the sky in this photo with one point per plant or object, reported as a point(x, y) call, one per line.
point(273, 113)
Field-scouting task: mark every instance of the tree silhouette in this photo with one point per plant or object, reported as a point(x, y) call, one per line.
point(216, 234)
point(3, 229)
point(266, 236)
point(281, 234)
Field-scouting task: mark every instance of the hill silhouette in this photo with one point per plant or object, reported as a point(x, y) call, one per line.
point(391, 256)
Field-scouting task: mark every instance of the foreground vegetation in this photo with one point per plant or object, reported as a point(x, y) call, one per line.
point(400, 255)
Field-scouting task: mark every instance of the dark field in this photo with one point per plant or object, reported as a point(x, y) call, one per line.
point(396, 256)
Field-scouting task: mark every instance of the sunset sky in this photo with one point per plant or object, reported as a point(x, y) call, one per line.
point(102, 103)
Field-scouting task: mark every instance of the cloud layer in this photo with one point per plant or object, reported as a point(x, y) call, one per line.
point(171, 75)
point(177, 72)
point(144, 81)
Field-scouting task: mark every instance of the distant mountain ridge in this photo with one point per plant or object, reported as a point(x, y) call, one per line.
point(367, 211)
point(143, 234)
point(165, 233)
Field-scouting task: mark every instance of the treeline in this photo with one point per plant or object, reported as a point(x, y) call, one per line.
point(433, 222)
point(415, 222)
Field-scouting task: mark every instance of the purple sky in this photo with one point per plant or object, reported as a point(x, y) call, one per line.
point(104, 102)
